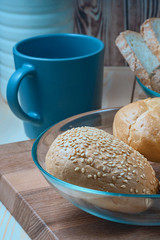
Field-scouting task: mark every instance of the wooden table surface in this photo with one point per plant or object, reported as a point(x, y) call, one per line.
point(39, 209)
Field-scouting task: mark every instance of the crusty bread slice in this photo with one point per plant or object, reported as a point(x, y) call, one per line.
point(139, 57)
point(150, 31)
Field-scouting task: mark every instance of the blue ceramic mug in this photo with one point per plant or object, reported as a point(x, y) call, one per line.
point(57, 76)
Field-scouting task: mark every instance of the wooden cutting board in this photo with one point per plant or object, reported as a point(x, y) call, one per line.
point(43, 213)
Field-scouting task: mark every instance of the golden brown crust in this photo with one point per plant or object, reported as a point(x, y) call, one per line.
point(149, 36)
point(138, 125)
point(131, 58)
point(92, 158)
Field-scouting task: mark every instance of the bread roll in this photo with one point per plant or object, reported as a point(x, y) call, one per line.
point(138, 125)
point(92, 158)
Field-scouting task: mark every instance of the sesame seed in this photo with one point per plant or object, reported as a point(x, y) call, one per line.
point(104, 175)
point(136, 190)
point(89, 160)
point(104, 168)
point(119, 167)
point(125, 181)
point(82, 160)
point(129, 178)
point(104, 163)
point(113, 178)
point(119, 176)
point(95, 176)
point(123, 186)
point(131, 190)
point(74, 161)
point(95, 153)
point(89, 176)
point(76, 169)
point(72, 144)
point(111, 184)
point(98, 174)
point(129, 162)
point(86, 144)
point(142, 176)
point(82, 170)
point(144, 190)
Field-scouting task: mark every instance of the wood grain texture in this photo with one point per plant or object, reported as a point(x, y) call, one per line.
point(105, 19)
point(10, 229)
point(11, 197)
point(138, 11)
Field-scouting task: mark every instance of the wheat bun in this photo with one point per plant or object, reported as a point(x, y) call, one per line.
point(138, 125)
point(92, 158)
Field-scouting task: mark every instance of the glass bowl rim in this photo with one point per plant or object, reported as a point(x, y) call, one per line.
point(76, 187)
point(148, 90)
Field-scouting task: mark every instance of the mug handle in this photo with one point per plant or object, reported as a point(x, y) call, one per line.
point(12, 94)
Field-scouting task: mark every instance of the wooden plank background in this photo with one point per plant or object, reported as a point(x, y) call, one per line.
point(105, 19)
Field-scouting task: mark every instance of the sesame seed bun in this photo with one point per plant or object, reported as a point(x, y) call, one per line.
point(92, 158)
point(138, 125)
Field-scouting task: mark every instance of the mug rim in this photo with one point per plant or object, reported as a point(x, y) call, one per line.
point(72, 35)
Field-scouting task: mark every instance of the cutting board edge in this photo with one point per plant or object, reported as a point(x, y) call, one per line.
point(33, 225)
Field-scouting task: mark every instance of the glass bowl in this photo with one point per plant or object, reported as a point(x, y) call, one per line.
point(123, 208)
point(147, 91)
